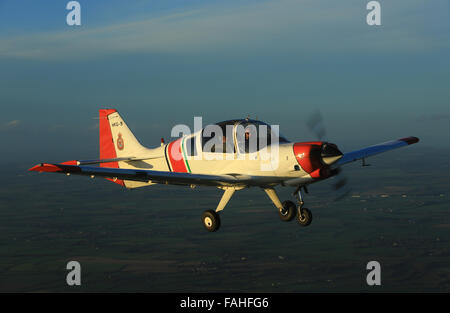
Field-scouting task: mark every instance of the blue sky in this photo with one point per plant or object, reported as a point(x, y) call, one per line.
point(163, 62)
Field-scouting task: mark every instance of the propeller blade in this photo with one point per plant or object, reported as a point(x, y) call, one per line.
point(340, 183)
point(316, 125)
point(330, 154)
point(342, 196)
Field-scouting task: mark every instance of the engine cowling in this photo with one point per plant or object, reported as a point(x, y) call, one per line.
point(316, 157)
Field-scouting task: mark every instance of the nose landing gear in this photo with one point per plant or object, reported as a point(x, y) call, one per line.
point(304, 215)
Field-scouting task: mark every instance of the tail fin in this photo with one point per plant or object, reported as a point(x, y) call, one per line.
point(116, 139)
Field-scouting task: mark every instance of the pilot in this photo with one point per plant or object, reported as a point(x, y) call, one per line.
point(247, 140)
point(224, 142)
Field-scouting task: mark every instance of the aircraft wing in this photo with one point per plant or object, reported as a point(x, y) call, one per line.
point(125, 159)
point(161, 177)
point(375, 149)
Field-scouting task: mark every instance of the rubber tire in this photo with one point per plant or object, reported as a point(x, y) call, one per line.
point(290, 213)
point(307, 217)
point(211, 220)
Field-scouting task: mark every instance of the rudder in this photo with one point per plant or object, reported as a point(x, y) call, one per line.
point(115, 139)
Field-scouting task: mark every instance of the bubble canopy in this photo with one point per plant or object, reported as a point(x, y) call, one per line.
point(243, 135)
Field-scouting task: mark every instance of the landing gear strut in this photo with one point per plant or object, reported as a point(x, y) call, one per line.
point(211, 218)
point(304, 215)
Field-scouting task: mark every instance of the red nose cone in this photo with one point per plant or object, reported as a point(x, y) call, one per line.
point(315, 158)
point(308, 155)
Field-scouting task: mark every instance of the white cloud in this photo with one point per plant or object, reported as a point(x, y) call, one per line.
point(305, 26)
point(10, 125)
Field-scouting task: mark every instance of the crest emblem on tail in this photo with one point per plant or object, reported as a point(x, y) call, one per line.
point(120, 143)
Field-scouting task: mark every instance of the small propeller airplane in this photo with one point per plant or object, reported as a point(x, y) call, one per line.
point(190, 160)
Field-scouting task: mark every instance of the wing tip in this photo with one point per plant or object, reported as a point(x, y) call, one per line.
point(410, 140)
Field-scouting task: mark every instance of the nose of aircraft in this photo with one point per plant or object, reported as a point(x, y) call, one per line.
point(316, 157)
point(330, 153)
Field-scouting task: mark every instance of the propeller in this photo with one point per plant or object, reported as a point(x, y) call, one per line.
point(316, 125)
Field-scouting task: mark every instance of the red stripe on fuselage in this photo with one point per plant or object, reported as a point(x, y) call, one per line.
point(176, 157)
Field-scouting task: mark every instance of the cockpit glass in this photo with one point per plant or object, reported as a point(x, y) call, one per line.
point(250, 136)
point(218, 138)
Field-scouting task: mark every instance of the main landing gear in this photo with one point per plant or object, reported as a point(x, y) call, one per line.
point(288, 210)
point(210, 218)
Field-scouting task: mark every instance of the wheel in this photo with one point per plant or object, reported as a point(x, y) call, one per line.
point(305, 218)
point(211, 220)
point(288, 212)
